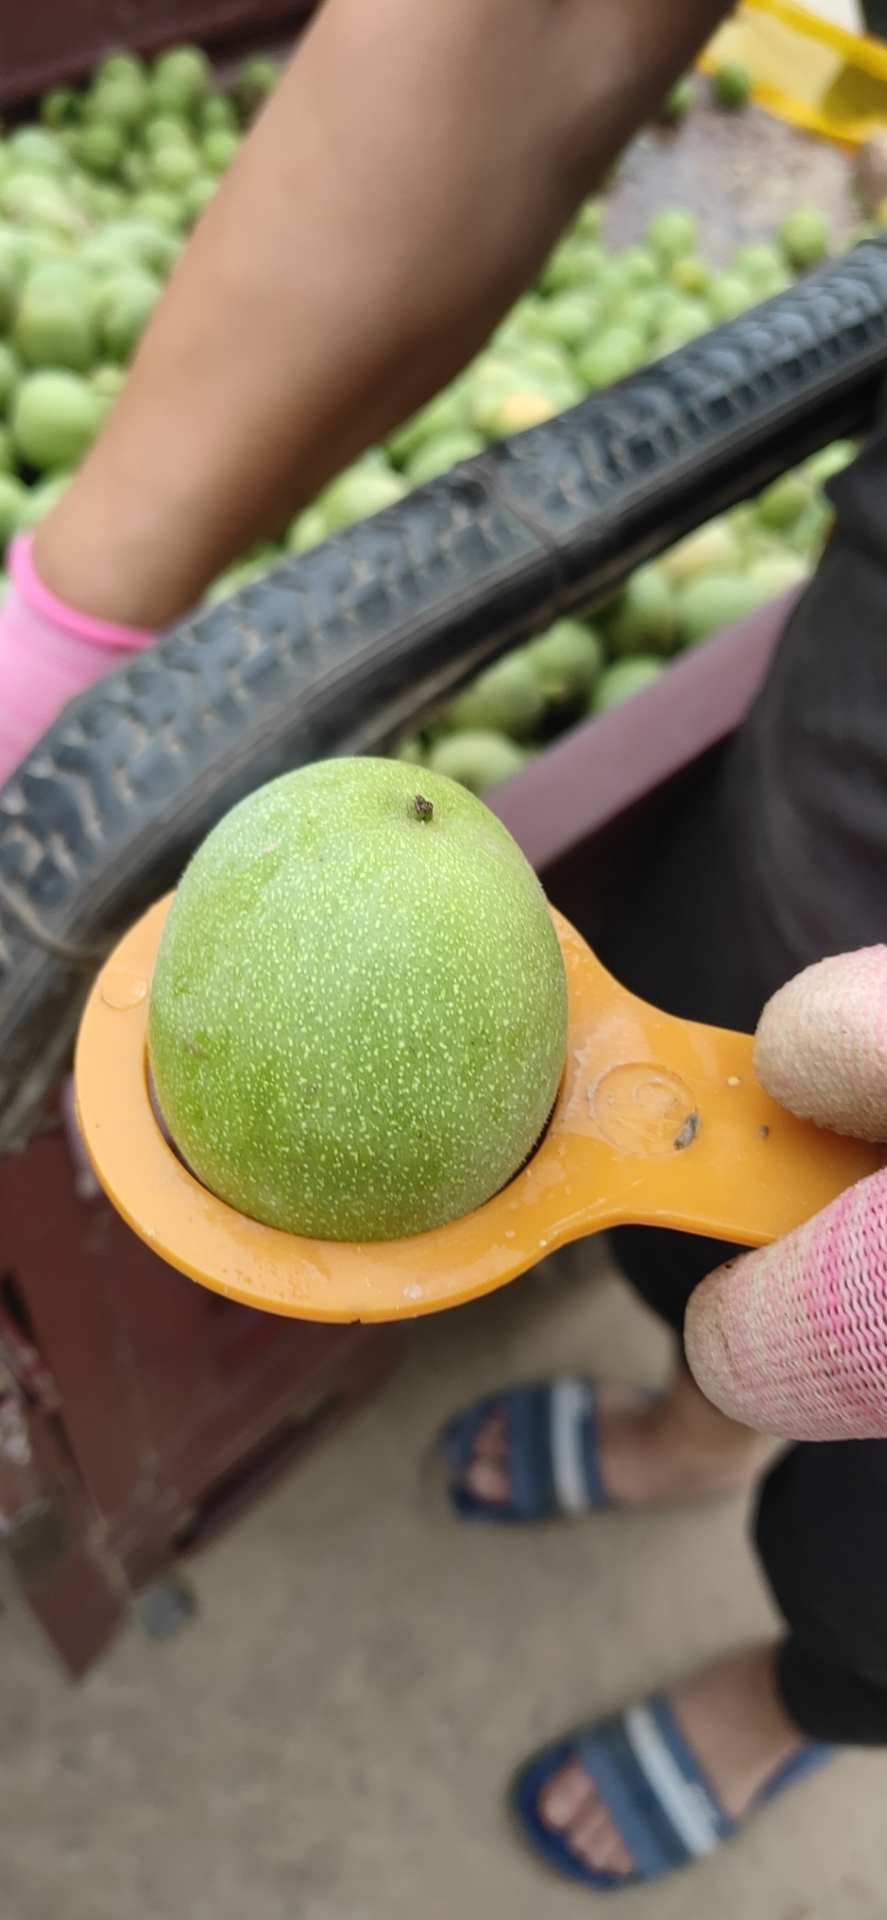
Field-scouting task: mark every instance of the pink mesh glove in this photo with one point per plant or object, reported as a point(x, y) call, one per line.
point(48, 652)
point(792, 1339)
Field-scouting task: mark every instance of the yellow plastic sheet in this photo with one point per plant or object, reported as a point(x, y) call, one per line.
point(805, 70)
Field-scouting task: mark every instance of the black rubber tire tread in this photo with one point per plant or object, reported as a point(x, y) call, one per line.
point(340, 650)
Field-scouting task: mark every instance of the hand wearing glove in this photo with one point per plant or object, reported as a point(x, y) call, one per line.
point(792, 1339)
point(48, 652)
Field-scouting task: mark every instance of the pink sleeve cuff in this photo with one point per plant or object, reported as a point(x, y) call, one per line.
point(79, 626)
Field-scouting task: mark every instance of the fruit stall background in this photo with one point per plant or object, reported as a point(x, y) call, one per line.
point(154, 1413)
point(712, 210)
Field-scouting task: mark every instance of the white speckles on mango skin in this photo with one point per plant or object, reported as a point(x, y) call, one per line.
point(358, 1018)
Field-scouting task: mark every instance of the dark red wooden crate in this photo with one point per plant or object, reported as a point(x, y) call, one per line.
point(61, 40)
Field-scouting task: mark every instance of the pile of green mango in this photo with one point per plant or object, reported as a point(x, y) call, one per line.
point(593, 317)
point(96, 201)
point(716, 575)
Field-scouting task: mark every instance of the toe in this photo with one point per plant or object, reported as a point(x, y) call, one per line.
point(570, 1804)
point(492, 1440)
point(487, 1482)
point(565, 1795)
point(486, 1476)
point(591, 1835)
point(598, 1841)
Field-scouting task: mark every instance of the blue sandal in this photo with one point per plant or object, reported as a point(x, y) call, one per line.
point(664, 1806)
point(551, 1450)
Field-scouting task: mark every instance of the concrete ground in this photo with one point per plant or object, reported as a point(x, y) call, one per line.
point(329, 1738)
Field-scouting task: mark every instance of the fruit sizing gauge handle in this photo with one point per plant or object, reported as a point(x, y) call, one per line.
point(658, 1121)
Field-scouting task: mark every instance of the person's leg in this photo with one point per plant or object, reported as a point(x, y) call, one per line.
point(821, 1533)
point(799, 822)
point(658, 1452)
point(776, 855)
point(735, 1725)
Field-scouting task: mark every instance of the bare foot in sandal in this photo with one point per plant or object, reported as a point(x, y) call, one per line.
point(738, 1731)
point(649, 1451)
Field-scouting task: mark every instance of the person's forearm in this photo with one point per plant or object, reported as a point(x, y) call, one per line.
point(401, 188)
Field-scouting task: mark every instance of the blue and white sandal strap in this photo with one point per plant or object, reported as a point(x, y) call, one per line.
point(575, 1475)
point(655, 1789)
point(658, 1795)
point(551, 1451)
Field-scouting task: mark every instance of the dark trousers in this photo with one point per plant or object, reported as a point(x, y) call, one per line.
point(875, 14)
point(775, 856)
